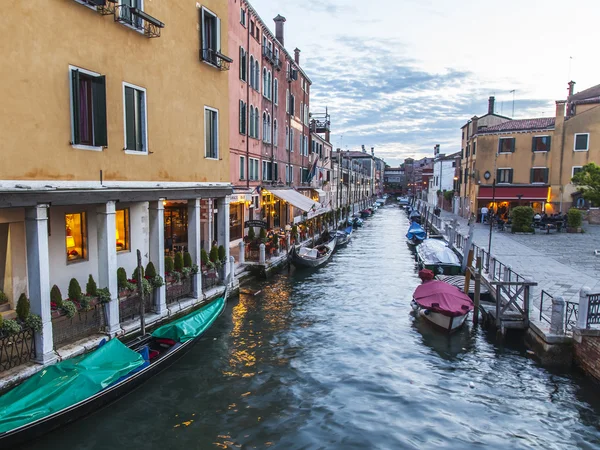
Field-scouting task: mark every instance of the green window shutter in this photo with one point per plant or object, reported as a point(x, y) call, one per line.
point(533, 142)
point(512, 145)
point(531, 175)
point(510, 176)
point(99, 111)
point(498, 176)
point(130, 118)
point(139, 118)
point(549, 143)
point(546, 175)
point(75, 90)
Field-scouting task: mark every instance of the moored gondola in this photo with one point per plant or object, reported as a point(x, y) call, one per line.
point(344, 236)
point(313, 256)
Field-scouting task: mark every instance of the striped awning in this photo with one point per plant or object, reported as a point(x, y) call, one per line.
point(295, 198)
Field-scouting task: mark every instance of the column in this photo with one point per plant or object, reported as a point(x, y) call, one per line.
point(157, 251)
point(223, 228)
point(210, 224)
point(38, 279)
point(194, 243)
point(107, 262)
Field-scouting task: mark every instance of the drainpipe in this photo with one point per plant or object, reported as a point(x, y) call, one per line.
point(290, 140)
point(248, 101)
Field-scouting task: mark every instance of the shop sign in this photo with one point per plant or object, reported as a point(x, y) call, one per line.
point(255, 223)
point(238, 198)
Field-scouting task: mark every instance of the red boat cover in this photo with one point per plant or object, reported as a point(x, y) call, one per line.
point(443, 298)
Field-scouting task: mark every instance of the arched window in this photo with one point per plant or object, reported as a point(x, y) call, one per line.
point(265, 133)
point(256, 122)
point(251, 70)
point(269, 86)
point(251, 122)
point(269, 128)
point(265, 88)
point(275, 138)
point(257, 75)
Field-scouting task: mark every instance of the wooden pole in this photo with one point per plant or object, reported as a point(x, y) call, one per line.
point(141, 292)
point(476, 297)
point(468, 271)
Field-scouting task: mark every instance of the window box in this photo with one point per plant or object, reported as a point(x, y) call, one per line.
point(131, 13)
point(210, 38)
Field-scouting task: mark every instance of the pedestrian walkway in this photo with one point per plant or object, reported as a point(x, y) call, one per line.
point(560, 263)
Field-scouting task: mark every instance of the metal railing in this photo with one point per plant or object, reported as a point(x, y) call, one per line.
point(84, 323)
point(129, 307)
point(177, 291)
point(593, 313)
point(571, 316)
point(16, 349)
point(545, 296)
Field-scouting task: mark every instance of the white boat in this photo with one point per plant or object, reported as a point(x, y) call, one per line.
point(445, 322)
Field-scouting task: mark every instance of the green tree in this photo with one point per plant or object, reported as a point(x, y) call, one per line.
point(169, 264)
point(587, 181)
point(522, 218)
point(91, 288)
point(121, 278)
point(23, 307)
point(56, 296)
point(178, 262)
point(136, 275)
point(74, 290)
point(187, 259)
point(150, 270)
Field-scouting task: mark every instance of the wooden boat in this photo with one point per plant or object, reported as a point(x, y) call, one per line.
point(343, 236)
point(442, 304)
point(459, 282)
point(313, 257)
point(435, 255)
point(39, 405)
point(416, 234)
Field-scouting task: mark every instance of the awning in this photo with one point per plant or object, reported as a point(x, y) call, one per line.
point(321, 192)
point(513, 193)
point(298, 200)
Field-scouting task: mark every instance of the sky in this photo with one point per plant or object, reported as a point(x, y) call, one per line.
point(404, 75)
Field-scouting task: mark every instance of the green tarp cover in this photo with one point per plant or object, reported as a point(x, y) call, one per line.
point(192, 325)
point(66, 383)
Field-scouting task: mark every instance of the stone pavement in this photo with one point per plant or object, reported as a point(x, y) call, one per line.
point(561, 263)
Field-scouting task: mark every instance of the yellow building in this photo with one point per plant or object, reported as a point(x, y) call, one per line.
point(115, 119)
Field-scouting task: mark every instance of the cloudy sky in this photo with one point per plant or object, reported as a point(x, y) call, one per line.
point(404, 75)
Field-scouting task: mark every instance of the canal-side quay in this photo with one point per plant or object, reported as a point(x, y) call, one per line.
point(564, 273)
point(333, 358)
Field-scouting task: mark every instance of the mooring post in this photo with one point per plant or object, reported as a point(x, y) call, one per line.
point(477, 291)
point(242, 248)
point(262, 256)
point(141, 293)
point(557, 318)
point(288, 241)
point(468, 272)
point(584, 303)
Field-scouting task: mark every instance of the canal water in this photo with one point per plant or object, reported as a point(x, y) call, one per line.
point(333, 359)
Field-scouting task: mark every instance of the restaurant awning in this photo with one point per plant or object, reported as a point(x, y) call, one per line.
point(298, 200)
point(513, 193)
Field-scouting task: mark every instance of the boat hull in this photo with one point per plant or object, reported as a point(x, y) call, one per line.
point(442, 269)
point(300, 261)
point(446, 323)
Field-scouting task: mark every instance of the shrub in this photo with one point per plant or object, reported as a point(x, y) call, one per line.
point(522, 218)
point(23, 307)
point(136, 275)
point(104, 295)
point(34, 322)
point(214, 254)
point(204, 257)
point(1, 321)
point(74, 290)
point(150, 270)
point(187, 259)
point(574, 218)
point(3, 298)
point(10, 327)
point(121, 278)
point(448, 195)
point(275, 241)
point(85, 302)
point(56, 296)
point(69, 308)
point(91, 288)
point(146, 287)
point(262, 235)
point(169, 265)
point(251, 233)
point(222, 253)
point(178, 262)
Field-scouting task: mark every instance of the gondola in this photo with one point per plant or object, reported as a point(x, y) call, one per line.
point(64, 392)
point(313, 257)
point(344, 236)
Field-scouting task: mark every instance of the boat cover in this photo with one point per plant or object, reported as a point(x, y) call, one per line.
point(192, 325)
point(443, 298)
point(66, 383)
point(416, 230)
point(414, 213)
point(435, 251)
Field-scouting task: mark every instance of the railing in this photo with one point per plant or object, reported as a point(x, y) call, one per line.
point(216, 58)
point(571, 316)
point(129, 307)
point(135, 18)
point(16, 349)
point(545, 296)
point(210, 280)
point(177, 291)
point(84, 323)
point(593, 314)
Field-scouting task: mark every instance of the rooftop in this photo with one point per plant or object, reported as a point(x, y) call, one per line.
point(542, 123)
point(586, 95)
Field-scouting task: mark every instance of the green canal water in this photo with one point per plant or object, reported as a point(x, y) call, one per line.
point(333, 359)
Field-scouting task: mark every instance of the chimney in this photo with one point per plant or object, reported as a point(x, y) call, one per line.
point(372, 151)
point(363, 149)
point(491, 102)
point(279, 21)
point(571, 87)
point(297, 55)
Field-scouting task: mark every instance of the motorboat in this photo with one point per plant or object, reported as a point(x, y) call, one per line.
point(416, 234)
point(435, 255)
point(442, 304)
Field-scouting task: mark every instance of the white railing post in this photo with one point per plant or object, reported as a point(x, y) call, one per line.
point(557, 318)
point(242, 250)
point(262, 256)
point(584, 302)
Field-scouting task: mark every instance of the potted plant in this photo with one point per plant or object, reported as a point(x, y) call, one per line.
point(522, 219)
point(574, 221)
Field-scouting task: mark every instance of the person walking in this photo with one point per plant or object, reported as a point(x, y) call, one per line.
point(484, 212)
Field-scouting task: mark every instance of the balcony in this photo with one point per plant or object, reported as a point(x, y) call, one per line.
point(216, 58)
point(270, 56)
point(135, 18)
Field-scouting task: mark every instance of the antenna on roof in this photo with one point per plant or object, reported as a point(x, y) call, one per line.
point(570, 61)
point(513, 93)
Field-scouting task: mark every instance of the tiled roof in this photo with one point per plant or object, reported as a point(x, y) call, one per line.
point(587, 101)
point(542, 123)
point(588, 93)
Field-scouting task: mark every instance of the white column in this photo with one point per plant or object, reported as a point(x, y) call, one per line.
point(223, 226)
point(210, 227)
point(242, 250)
point(157, 251)
point(107, 262)
point(557, 318)
point(38, 279)
point(194, 243)
point(584, 301)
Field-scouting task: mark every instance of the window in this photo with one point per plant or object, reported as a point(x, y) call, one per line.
point(474, 148)
point(275, 137)
point(291, 139)
point(256, 121)
point(252, 70)
point(256, 75)
point(236, 221)
point(210, 36)
point(287, 173)
point(88, 109)
point(253, 170)
point(302, 112)
point(243, 17)
point(122, 231)
point(127, 17)
point(211, 133)
point(539, 175)
point(581, 142)
point(269, 94)
point(291, 103)
point(504, 176)
point(242, 117)
point(243, 64)
point(76, 236)
point(252, 27)
point(135, 118)
point(265, 171)
point(304, 173)
point(287, 100)
point(251, 122)
point(576, 170)
point(505, 145)
point(265, 89)
point(287, 137)
point(275, 91)
point(306, 116)
point(540, 144)
point(466, 175)
point(468, 153)
point(242, 167)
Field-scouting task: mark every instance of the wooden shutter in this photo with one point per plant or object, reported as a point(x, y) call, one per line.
point(99, 111)
point(497, 175)
point(531, 176)
point(549, 145)
point(218, 41)
point(201, 17)
point(512, 145)
point(533, 144)
point(76, 112)
point(546, 175)
point(130, 119)
point(510, 176)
